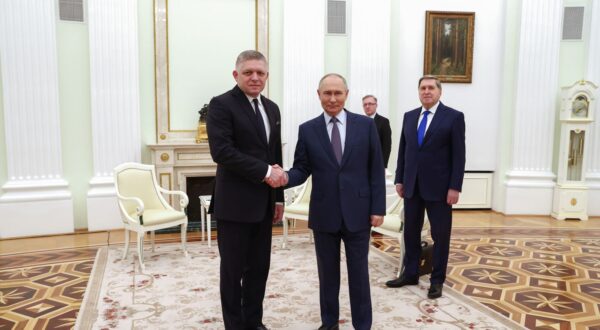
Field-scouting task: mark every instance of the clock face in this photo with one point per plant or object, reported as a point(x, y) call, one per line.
point(580, 107)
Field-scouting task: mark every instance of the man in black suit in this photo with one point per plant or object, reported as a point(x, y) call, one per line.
point(429, 176)
point(244, 135)
point(341, 151)
point(383, 126)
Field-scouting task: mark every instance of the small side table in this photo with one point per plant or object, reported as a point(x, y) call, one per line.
point(205, 217)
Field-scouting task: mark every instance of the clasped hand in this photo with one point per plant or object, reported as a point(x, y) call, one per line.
point(278, 177)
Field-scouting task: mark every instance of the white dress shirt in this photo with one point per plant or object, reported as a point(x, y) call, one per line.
point(341, 117)
point(429, 117)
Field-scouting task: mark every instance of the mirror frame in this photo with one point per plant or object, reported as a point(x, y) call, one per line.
point(164, 133)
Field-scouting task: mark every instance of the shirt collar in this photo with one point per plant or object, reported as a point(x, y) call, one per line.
point(250, 98)
point(373, 115)
point(432, 110)
point(341, 117)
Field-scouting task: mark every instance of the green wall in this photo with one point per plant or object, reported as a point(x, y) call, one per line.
point(275, 90)
point(75, 113)
point(146, 52)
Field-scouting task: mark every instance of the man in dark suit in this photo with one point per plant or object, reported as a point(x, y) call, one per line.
point(429, 176)
point(382, 124)
point(341, 151)
point(244, 135)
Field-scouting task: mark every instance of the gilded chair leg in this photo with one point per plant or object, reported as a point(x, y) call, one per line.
point(152, 239)
point(140, 247)
point(126, 250)
point(183, 239)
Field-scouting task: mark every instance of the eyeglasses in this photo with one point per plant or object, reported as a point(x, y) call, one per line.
point(368, 104)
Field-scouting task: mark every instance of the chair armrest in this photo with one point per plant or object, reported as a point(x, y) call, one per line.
point(140, 204)
point(183, 200)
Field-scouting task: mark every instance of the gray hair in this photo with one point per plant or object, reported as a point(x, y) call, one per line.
point(333, 75)
point(438, 83)
point(369, 95)
point(248, 55)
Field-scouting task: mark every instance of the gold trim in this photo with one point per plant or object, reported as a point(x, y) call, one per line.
point(163, 136)
point(168, 100)
point(573, 201)
point(164, 157)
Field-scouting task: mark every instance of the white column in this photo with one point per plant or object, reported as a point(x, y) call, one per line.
point(303, 66)
point(593, 74)
point(115, 102)
point(370, 54)
point(36, 199)
point(530, 181)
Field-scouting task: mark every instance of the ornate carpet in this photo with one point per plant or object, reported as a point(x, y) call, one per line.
point(541, 278)
point(180, 293)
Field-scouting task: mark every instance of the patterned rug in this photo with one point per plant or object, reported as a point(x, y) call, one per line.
point(177, 293)
point(43, 290)
point(540, 278)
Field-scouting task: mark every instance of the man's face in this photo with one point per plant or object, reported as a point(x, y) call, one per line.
point(369, 106)
point(429, 93)
point(333, 94)
point(251, 76)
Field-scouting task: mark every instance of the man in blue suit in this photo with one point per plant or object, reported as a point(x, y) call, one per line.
point(341, 151)
point(429, 176)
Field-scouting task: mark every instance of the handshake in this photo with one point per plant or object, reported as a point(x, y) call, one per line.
point(278, 177)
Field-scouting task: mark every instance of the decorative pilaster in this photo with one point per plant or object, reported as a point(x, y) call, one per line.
point(369, 54)
point(115, 102)
point(303, 66)
point(593, 74)
point(32, 118)
point(530, 181)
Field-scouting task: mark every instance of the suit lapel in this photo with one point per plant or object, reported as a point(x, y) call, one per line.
point(412, 121)
point(440, 113)
point(350, 136)
point(323, 137)
point(270, 116)
point(249, 111)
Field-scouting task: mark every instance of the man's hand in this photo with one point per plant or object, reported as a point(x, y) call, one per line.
point(452, 196)
point(278, 177)
point(278, 213)
point(376, 220)
point(400, 189)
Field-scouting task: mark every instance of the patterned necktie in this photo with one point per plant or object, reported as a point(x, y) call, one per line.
point(422, 128)
point(336, 140)
point(259, 120)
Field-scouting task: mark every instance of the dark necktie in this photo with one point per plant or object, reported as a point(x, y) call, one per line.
point(259, 120)
point(422, 128)
point(336, 140)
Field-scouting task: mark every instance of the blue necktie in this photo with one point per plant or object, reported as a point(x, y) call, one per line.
point(336, 140)
point(422, 128)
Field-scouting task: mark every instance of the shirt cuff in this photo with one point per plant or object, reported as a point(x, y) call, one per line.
point(268, 172)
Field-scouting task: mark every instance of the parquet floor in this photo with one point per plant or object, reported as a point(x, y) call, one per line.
point(542, 273)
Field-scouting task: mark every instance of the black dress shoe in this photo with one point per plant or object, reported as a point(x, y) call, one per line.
point(402, 281)
point(435, 291)
point(330, 327)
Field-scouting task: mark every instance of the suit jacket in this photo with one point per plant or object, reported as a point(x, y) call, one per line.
point(242, 156)
point(348, 192)
point(385, 136)
point(439, 163)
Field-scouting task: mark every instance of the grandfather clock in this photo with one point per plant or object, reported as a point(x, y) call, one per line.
point(576, 117)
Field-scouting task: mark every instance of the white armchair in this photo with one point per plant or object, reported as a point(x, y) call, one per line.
point(143, 208)
point(393, 225)
point(298, 209)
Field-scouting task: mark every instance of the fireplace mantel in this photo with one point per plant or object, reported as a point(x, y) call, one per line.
point(177, 161)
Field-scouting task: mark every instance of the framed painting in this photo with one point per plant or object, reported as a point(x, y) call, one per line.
point(449, 45)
